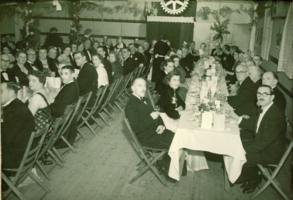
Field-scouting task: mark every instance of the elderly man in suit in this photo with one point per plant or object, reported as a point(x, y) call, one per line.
point(147, 123)
point(268, 142)
point(17, 124)
point(87, 77)
point(243, 101)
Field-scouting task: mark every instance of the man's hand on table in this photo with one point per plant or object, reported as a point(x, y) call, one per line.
point(155, 114)
point(179, 109)
point(160, 129)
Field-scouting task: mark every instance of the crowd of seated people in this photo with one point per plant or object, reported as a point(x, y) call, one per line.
point(81, 67)
point(250, 90)
point(85, 66)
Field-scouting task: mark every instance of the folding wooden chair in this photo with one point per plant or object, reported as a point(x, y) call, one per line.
point(271, 171)
point(61, 126)
point(110, 95)
point(122, 93)
point(27, 164)
point(88, 114)
point(148, 156)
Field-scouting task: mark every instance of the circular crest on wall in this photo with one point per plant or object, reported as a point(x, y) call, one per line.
point(174, 7)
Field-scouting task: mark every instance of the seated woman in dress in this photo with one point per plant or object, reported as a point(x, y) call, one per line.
point(170, 101)
point(103, 79)
point(38, 100)
point(166, 67)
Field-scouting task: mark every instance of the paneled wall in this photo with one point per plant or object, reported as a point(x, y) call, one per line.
point(286, 84)
point(239, 25)
point(127, 18)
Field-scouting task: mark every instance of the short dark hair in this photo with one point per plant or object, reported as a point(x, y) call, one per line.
point(267, 86)
point(165, 63)
point(169, 76)
point(79, 52)
point(69, 67)
point(53, 29)
point(173, 57)
point(40, 75)
point(12, 86)
point(99, 56)
point(19, 52)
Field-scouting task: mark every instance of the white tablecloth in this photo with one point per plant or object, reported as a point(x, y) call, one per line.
point(189, 136)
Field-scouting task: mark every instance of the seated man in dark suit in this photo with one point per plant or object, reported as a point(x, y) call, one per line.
point(17, 124)
point(268, 142)
point(243, 101)
point(145, 122)
point(68, 94)
point(87, 77)
point(271, 79)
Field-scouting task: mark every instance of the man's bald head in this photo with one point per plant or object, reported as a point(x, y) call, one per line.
point(241, 72)
point(255, 73)
point(270, 78)
point(139, 87)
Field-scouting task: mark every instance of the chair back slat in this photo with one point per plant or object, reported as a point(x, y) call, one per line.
point(111, 91)
point(102, 98)
point(133, 139)
point(286, 154)
point(60, 127)
point(31, 154)
point(85, 101)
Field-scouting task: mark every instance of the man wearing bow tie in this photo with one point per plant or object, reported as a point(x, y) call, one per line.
point(268, 142)
point(145, 122)
point(6, 76)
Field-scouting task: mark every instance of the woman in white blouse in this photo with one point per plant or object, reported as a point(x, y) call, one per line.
point(103, 79)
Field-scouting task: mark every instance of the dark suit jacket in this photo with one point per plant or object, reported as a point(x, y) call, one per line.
point(87, 79)
point(17, 73)
point(52, 64)
point(16, 128)
point(68, 94)
point(10, 76)
point(268, 143)
point(280, 100)
point(108, 67)
point(245, 100)
point(166, 104)
point(138, 113)
point(88, 54)
point(128, 66)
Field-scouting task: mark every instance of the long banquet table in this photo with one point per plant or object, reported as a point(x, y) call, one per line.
point(189, 136)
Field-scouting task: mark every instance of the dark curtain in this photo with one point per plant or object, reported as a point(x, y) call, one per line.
point(176, 33)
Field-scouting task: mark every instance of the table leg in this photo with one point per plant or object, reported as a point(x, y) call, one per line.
point(227, 184)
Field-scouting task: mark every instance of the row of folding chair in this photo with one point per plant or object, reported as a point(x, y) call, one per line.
point(91, 110)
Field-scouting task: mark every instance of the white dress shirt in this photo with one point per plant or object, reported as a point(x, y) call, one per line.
point(102, 76)
point(262, 115)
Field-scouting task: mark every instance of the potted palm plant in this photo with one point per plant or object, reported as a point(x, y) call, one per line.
point(220, 27)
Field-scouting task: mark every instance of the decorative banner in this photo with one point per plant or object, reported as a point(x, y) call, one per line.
point(186, 8)
point(174, 7)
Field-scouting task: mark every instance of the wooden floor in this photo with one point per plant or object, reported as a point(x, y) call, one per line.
point(103, 166)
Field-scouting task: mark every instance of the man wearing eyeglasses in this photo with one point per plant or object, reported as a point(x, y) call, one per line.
point(268, 142)
point(244, 100)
